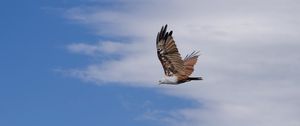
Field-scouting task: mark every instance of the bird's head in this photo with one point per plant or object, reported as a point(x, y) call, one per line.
point(162, 81)
point(168, 80)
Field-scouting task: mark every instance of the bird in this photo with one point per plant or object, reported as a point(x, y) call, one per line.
point(176, 69)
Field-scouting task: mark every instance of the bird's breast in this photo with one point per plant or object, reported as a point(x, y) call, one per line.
point(171, 79)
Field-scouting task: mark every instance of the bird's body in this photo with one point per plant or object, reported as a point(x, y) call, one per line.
point(177, 70)
point(169, 80)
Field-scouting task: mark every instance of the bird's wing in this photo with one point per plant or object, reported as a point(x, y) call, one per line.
point(189, 62)
point(168, 54)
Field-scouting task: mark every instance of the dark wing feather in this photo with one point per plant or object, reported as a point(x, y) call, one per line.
point(168, 54)
point(189, 62)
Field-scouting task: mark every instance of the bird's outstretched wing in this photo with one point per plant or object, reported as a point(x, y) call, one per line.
point(168, 54)
point(189, 62)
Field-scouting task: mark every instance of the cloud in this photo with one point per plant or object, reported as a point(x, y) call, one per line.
point(249, 58)
point(106, 47)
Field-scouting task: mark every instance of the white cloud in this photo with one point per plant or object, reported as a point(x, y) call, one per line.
point(249, 58)
point(106, 47)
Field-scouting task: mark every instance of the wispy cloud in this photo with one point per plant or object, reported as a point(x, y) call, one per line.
point(105, 47)
point(249, 62)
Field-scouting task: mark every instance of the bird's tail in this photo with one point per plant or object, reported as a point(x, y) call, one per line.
point(195, 78)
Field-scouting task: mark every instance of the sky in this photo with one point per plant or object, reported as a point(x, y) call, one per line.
point(93, 62)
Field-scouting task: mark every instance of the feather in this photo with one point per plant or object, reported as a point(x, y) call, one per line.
point(168, 54)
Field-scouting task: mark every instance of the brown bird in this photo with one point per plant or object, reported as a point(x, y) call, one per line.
point(176, 70)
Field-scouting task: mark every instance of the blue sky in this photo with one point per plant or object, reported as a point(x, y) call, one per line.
point(76, 62)
point(32, 93)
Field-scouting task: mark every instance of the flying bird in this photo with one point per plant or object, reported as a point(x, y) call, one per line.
point(177, 70)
